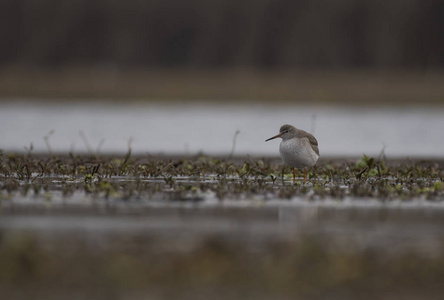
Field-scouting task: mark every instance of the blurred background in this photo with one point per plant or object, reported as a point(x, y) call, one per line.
point(219, 77)
point(196, 34)
point(309, 58)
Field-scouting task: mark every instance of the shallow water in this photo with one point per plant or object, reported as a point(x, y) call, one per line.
point(388, 228)
point(417, 223)
point(263, 252)
point(173, 245)
point(189, 129)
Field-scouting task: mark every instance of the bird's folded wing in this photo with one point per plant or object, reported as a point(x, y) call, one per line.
point(313, 143)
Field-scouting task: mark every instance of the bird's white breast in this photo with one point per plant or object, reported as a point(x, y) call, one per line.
point(298, 153)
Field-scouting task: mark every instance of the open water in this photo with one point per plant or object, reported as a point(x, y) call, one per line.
point(208, 128)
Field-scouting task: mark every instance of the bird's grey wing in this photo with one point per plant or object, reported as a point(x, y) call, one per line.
point(312, 140)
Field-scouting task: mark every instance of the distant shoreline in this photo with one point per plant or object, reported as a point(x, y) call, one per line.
point(321, 87)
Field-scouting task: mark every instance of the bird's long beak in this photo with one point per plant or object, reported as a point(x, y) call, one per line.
point(276, 136)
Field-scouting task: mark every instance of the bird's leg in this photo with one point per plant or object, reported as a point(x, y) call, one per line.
point(305, 173)
point(282, 175)
point(294, 176)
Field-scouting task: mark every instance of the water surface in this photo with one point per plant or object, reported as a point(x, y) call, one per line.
point(193, 128)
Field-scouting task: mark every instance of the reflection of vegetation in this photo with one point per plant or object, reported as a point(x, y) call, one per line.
point(205, 177)
point(216, 266)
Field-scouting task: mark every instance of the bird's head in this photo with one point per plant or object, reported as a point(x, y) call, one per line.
point(285, 132)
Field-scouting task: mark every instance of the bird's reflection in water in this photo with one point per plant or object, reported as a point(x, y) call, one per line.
point(297, 217)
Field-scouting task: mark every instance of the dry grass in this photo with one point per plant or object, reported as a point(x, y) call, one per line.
point(315, 87)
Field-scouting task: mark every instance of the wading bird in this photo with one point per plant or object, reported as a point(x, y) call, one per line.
point(298, 148)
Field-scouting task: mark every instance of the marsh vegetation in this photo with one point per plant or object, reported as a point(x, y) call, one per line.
point(202, 177)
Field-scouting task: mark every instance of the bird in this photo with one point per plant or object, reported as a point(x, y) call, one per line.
point(298, 148)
